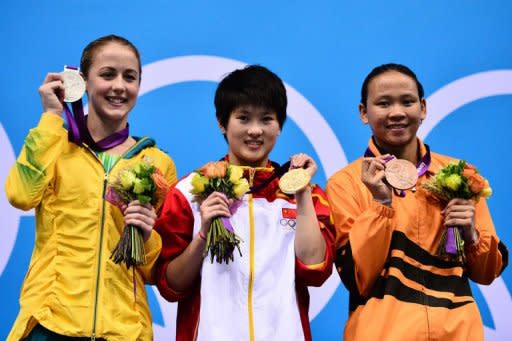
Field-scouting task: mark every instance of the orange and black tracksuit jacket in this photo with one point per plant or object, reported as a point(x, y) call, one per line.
point(399, 289)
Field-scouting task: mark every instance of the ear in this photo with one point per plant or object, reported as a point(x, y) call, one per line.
point(85, 80)
point(423, 109)
point(222, 129)
point(363, 114)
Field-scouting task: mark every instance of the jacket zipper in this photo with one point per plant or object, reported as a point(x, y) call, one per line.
point(102, 228)
point(251, 258)
point(95, 312)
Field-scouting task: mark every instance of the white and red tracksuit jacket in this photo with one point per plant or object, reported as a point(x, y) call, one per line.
point(262, 295)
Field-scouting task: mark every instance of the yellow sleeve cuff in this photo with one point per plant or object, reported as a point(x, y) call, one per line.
point(154, 242)
point(317, 266)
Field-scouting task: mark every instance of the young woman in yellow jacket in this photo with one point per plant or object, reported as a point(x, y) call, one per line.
point(72, 289)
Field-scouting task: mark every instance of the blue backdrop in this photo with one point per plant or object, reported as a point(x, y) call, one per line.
point(460, 50)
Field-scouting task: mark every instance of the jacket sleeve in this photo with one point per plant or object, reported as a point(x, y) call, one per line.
point(317, 274)
point(170, 173)
point(175, 225)
point(35, 166)
point(488, 257)
point(364, 229)
point(152, 247)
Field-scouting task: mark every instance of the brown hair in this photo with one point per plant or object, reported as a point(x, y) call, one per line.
point(89, 51)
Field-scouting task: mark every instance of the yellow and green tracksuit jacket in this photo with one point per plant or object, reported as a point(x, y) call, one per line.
point(72, 287)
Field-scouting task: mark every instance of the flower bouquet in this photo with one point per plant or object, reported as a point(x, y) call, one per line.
point(145, 183)
point(220, 176)
point(456, 180)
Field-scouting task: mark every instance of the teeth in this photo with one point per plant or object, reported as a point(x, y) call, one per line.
point(116, 100)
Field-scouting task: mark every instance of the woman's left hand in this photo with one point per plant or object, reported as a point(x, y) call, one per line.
point(461, 213)
point(142, 216)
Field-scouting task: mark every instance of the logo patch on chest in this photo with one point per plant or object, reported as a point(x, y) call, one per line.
point(288, 218)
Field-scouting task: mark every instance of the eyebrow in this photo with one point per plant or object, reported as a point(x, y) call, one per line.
point(110, 68)
point(408, 94)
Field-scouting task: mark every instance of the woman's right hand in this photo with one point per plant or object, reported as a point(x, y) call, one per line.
point(215, 205)
point(372, 175)
point(52, 93)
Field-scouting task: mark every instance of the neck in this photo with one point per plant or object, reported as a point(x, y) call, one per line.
point(237, 162)
point(99, 129)
point(409, 152)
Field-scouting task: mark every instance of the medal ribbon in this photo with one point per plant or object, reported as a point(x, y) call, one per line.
point(78, 132)
point(277, 173)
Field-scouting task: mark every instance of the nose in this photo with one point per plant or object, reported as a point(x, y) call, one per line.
point(397, 111)
point(118, 84)
point(255, 129)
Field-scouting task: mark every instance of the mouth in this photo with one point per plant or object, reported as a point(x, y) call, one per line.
point(253, 144)
point(115, 100)
point(397, 126)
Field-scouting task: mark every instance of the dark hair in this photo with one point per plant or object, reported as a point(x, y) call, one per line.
point(386, 68)
point(89, 51)
point(252, 85)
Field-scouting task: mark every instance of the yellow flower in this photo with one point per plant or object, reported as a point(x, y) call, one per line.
point(241, 188)
point(453, 181)
point(127, 178)
point(137, 169)
point(236, 174)
point(198, 183)
point(487, 191)
point(140, 185)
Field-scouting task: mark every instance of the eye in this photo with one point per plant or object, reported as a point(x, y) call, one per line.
point(383, 104)
point(408, 102)
point(108, 74)
point(242, 117)
point(130, 77)
point(268, 119)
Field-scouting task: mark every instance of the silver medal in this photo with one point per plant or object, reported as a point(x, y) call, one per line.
point(74, 85)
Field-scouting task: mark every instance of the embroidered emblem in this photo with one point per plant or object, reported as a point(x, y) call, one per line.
point(288, 221)
point(289, 213)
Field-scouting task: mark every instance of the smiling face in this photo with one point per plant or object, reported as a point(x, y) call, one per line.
point(251, 133)
point(113, 82)
point(394, 111)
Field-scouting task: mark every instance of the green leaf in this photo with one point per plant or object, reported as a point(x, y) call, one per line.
point(145, 199)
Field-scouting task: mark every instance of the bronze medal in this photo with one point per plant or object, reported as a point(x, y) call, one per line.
point(294, 180)
point(401, 174)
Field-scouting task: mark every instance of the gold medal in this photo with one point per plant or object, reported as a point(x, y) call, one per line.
point(401, 174)
point(74, 85)
point(294, 180)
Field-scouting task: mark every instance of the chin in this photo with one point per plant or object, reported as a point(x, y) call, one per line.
point(254, 161)
point(400, 142)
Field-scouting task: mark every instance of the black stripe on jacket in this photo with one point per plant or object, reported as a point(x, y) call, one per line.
point(458, 286)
